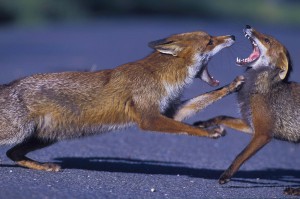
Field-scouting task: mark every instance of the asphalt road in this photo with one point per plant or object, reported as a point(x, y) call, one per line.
point(131, 163)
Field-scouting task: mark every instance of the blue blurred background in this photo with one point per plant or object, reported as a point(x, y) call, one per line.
point(44, 11)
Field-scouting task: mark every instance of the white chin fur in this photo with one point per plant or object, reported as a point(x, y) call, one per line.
point(261, 62)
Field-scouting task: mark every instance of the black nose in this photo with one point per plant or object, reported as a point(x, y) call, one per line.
point(248, 27)
point(232, 37)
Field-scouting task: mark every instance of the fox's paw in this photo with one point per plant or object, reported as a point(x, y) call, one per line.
point(50, 167)
point(236, 84)
point(216, 132)
point(225, 177)
point(202, 124)
point(39, 166)
point(292, 191)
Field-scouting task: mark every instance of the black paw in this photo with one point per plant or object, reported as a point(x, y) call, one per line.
point(225, 178)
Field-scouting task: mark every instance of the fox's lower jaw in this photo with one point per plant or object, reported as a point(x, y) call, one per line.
point(205, 76)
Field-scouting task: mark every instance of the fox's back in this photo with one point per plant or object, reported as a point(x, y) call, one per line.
point(285, 108)
point(66, 103)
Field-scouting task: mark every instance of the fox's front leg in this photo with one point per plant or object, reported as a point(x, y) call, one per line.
point(159, 123)
point(194, 105)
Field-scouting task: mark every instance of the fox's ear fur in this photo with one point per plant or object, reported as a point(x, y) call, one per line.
point(283, 63)
point(166, 47)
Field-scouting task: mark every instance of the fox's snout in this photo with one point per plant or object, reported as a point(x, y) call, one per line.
point(232, 37)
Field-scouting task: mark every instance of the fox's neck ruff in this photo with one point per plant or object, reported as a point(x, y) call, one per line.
point(180, 76)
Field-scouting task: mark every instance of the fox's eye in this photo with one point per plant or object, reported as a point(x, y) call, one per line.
point(210, 42)
point(267, 40)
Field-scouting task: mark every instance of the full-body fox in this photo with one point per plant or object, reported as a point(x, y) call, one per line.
point(39, 110)
point(269, 103)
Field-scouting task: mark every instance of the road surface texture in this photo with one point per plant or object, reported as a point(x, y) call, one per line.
point(131, 163)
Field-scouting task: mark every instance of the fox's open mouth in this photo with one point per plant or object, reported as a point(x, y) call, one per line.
point(205, 76)
point(253, 56)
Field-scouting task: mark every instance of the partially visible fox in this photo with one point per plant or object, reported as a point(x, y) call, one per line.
point(269, 103)
point(39, 110)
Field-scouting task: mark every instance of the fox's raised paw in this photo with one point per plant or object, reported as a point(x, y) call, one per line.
point(237, 83)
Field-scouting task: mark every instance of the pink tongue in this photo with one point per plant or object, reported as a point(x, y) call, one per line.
point(254, 54)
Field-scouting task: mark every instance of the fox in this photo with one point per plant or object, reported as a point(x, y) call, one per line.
point(39, 110)
point(269, 103)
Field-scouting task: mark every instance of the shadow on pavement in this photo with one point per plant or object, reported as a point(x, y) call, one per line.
point(175, 168)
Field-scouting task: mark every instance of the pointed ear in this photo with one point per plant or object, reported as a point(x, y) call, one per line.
point(166, 47)
point(283, 63)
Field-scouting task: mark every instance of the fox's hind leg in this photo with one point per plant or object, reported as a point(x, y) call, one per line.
point(231, 122)
point(18, 154)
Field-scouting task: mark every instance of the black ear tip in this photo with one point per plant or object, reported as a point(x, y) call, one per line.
point(151, 44)
point(248, 27)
